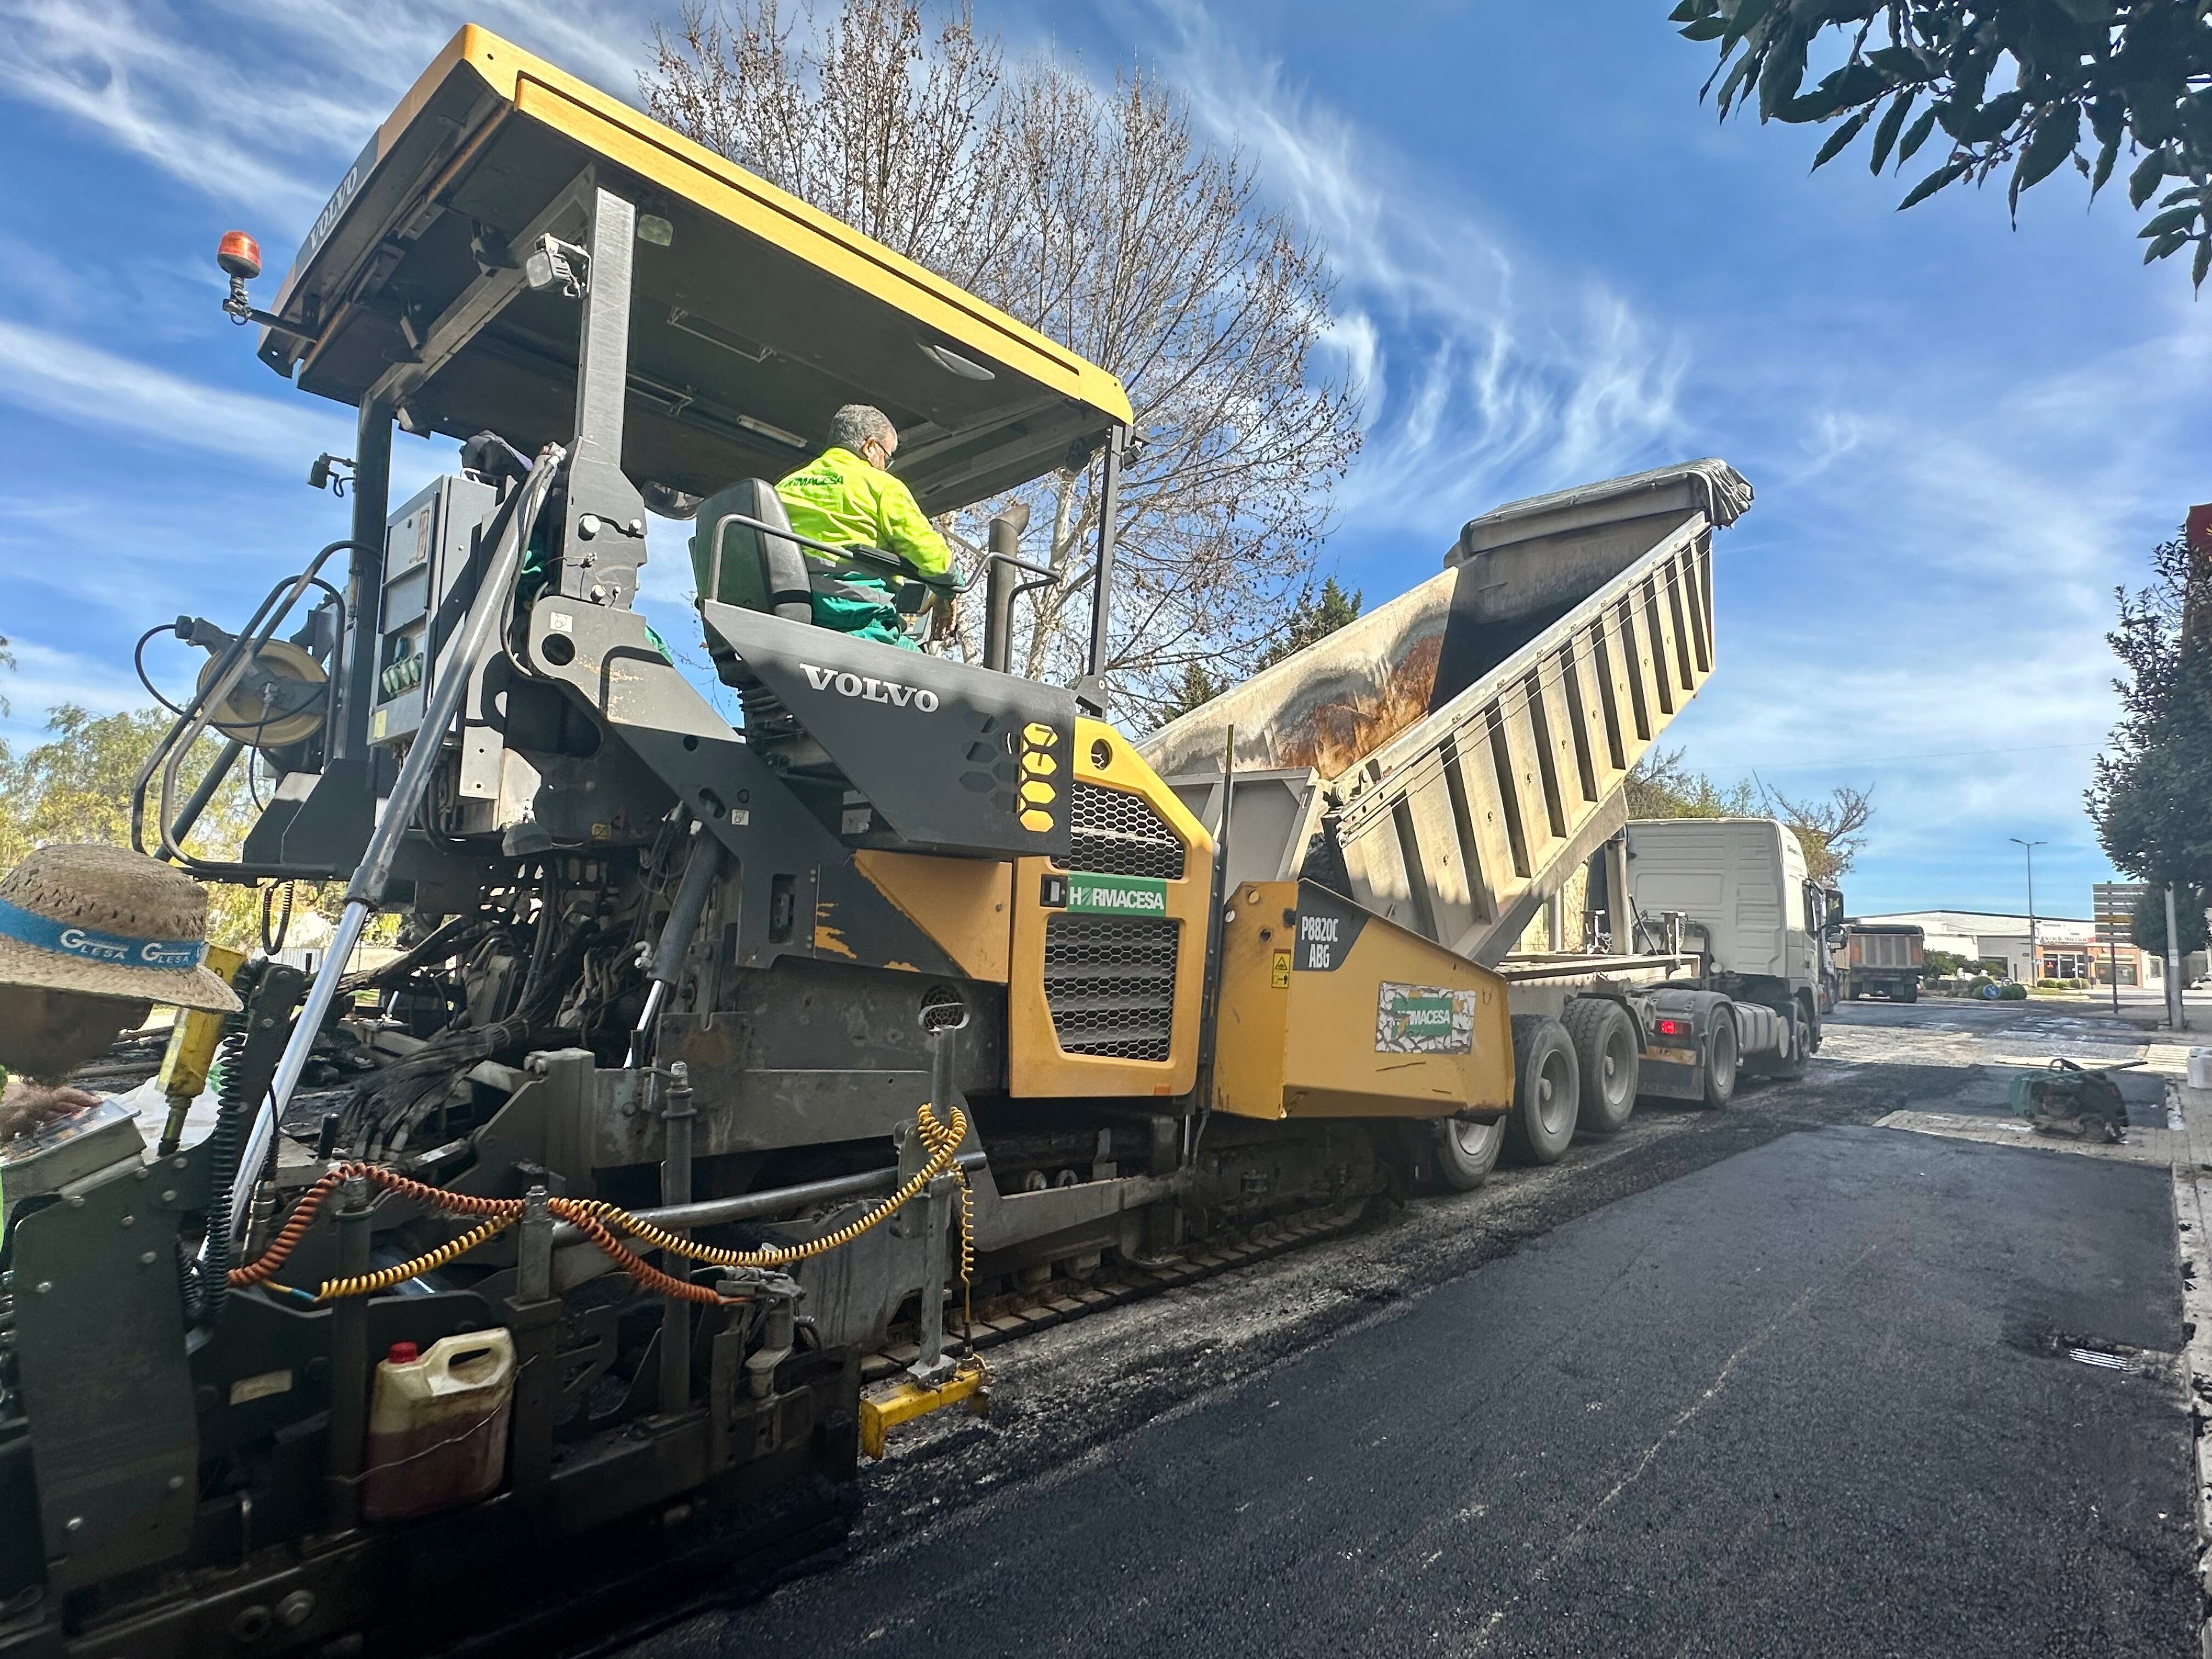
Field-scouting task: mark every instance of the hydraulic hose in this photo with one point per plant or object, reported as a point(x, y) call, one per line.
point(511, 530)
point(600, 1222)
point(690, 903)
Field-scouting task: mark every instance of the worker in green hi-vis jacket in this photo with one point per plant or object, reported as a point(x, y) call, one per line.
point(846, 497)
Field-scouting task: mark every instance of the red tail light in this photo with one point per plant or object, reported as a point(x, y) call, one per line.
point(1674, 1027)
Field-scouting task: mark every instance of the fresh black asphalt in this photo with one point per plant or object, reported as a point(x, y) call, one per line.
point(1810, 1399)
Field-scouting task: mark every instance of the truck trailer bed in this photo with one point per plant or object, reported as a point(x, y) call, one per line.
point(1449, 758)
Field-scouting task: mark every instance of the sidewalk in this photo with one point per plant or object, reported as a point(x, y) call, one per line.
point(2184, 1146)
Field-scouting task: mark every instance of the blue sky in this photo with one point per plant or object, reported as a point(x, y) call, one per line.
point(1554, 266)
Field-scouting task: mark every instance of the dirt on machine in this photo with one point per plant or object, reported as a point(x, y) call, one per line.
point(720, 1061)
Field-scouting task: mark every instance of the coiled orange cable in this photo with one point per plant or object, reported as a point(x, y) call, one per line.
point(599, 1221)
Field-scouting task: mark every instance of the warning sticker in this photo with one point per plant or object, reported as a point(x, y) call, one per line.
point(1424, 1019)
point(1282, 976)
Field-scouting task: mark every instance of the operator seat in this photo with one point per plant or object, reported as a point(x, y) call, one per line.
point(759, 571)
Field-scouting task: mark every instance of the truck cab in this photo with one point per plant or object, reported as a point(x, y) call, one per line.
point(1747, 906)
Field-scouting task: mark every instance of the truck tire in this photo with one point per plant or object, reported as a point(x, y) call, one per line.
point(1546, 1090)
point(1788, 1068)
point(1608, 1059)
point(1909, 993)
point(1721, 1054)
point(1467, 1153)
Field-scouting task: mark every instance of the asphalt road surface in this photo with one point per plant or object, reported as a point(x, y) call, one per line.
point(1759, 1383)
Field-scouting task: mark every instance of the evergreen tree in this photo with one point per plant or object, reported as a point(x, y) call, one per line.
point(1313, 616)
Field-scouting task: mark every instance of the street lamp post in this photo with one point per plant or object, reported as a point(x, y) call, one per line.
point(2176, 1012)
point(2034, 935)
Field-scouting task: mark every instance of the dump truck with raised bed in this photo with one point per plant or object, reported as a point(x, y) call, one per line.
point(720, 1067)
point(1455, 763)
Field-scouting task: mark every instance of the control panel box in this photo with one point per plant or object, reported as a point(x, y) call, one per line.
point(434, 559)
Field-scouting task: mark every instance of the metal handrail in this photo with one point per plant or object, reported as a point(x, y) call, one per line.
point(857, 555)
point(168, 755)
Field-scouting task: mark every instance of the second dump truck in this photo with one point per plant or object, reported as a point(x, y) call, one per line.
point(1884, 959)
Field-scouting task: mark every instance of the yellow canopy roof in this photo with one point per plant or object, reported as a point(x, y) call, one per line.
point(753, 316)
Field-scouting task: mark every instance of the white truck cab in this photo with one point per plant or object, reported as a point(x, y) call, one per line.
point(1741, 891)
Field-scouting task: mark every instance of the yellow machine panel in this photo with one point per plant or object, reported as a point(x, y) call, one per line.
point(961, 903)
point(1107, 976)
point(1328, 1011)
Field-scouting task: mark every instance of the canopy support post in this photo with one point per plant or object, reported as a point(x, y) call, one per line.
point(372, 503)
point(1091, 690)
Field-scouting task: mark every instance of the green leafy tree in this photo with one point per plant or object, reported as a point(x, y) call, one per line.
point(2017, 88)
point(1313, 616)
point(2148, 926)
point(75, 787)
point(2151, 794)
point(1663, 785)
point(1195, 687)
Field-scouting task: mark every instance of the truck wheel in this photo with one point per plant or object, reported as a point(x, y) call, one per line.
point(1909, 993)
point(1788, 1068)
point(1546, 1090)
point(1607, 1057)
point(1467, 1153)
point(1721, 1063)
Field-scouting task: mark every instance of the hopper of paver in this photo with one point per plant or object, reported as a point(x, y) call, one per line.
point(1450, 757)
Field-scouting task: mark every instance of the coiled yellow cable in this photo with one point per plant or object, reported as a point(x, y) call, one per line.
point(600, 1220)
point(943, 1140)
point(385, 1278)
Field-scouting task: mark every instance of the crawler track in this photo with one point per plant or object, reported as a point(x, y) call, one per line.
point(1058, 1303)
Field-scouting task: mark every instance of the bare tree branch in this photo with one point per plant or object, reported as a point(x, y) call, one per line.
point(1098, 217)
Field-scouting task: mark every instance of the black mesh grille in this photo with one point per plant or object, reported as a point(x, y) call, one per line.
point(1118, 834)
point(1110, 985)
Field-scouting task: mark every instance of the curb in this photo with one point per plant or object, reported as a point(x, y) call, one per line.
point(2190, 1110)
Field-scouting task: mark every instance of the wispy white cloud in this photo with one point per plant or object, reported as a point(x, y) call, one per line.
point(180, 98)
point(45, 678)
point(1935, 622)
point(54, 375)
point(1473, 356)
point(263, 106)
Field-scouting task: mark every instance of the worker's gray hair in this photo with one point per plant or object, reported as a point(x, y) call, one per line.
point(855, 424)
